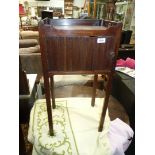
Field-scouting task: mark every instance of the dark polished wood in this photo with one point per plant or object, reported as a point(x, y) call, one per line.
point(52, 91)
point(75, 46)
point(94, 90)
point(48, 104)
point(106, 100)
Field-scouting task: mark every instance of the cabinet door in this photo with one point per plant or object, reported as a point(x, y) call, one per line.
point(103, 53)
point(80, 53)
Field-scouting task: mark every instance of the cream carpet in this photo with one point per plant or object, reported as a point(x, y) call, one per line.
point(75, 126)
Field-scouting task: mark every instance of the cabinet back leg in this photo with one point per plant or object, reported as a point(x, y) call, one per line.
point(94, 90)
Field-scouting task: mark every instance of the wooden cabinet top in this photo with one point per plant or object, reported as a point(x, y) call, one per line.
point(80, 28)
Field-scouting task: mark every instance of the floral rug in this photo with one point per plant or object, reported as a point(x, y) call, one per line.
point(75, 127)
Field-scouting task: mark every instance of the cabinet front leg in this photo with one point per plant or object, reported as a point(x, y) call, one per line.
point(52, 91)
point(105, 104)
point(48, 104)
